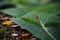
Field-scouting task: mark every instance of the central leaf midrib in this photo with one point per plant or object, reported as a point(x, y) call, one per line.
point(47, 30)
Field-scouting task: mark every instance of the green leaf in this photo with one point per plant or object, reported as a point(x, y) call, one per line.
point(32, 2)
point(43, 19)
point(50, 8)
point(16, 11)
point(38, 31)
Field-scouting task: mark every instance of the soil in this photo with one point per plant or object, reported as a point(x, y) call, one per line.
point(13, 29)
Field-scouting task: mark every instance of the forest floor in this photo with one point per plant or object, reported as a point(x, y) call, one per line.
point(13, 30)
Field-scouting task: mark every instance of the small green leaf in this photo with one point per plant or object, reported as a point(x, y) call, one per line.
point(2, 30)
